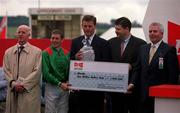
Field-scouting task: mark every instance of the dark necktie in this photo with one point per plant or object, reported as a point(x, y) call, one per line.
point(20, 50)
point(19, 53)
point(87, 41)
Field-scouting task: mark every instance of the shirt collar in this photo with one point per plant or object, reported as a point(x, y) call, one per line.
point(90, 38)
point(25, 47)
point(157, 44)
point(22, 45)
point(127, 39)
point(55, 49)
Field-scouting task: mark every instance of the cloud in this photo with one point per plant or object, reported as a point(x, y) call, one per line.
point(71, 1)
point(104, 10)
point(133, 11)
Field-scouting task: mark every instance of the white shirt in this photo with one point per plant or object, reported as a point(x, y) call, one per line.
point(90, 38)
point(156, 45)
point(126, 41)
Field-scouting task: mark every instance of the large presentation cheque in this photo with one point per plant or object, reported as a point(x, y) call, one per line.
point(98, 76)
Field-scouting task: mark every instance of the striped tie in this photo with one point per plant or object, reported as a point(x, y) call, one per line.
point(87, 41)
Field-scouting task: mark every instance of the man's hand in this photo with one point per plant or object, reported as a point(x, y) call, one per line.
point(79, 55)
point(130, 88)
point(130, 67)
point(19, 88)
point(65, 86)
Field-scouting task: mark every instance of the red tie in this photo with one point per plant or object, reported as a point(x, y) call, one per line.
point(122, 47)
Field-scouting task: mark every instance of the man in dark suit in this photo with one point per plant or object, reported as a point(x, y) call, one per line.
point(157, 64)
point(124, 49)
point(88, 101)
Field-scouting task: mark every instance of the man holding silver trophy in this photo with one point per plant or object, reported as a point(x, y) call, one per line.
point(87, 50)
point(88, 47)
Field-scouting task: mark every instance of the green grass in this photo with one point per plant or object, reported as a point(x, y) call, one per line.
point(11, 32)
point(100, 31)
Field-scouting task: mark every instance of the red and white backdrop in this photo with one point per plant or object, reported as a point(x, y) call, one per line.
point(167, 12)
point(41, 43)
point(3, 28)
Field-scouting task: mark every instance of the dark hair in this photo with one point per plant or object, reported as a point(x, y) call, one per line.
point(57, 31)
point(89, 18)
point(124, 22)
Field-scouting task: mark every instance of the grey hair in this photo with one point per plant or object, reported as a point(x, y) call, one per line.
point(27, 28)
point(158, 24)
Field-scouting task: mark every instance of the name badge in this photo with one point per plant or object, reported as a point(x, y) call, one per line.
point(161, 62)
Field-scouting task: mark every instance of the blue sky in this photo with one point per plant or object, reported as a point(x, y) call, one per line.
point(104, 10)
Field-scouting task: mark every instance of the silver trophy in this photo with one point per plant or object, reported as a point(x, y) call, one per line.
point(87, 51)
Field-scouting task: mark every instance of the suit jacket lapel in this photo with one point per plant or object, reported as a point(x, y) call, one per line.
point(93, 41)
point(147, 50)
point(128, 47)
point(157, 53)
point(81, 42)
point(118, 48)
